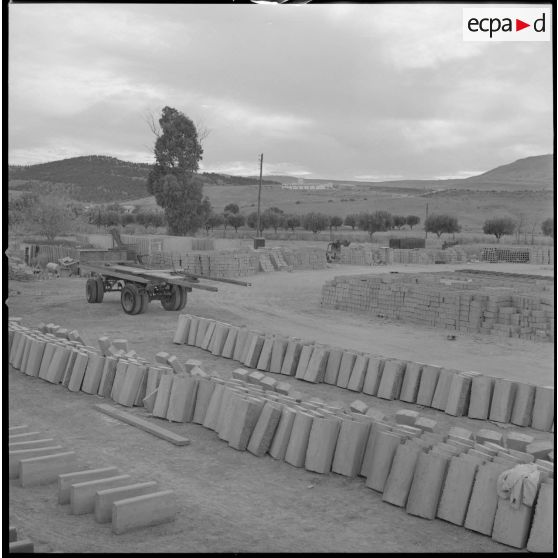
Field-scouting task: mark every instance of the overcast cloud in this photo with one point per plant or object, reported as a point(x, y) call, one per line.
point(351, 91)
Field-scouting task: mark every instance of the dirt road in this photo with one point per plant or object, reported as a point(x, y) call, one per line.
point(233, 501)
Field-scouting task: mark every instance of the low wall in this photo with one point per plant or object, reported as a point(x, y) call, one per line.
point(456, 305)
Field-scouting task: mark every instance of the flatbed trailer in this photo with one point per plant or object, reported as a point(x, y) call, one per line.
point(139, 285)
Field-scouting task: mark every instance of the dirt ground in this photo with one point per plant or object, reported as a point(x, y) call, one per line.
point(232, 501)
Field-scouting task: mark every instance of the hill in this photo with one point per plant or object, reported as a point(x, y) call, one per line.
point(97, 179)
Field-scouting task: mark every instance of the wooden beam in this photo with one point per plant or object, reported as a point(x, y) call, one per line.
point(142, 424)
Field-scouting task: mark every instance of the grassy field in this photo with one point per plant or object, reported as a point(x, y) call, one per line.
point(472, 207)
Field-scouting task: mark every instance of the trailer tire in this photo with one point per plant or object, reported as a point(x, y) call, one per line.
point(130, 299)
point(91, 290)
point(100, 288)
point(172, 301)
point(183, 298)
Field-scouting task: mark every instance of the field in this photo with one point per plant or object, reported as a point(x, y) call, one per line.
point(232, 501)
point(472, 207)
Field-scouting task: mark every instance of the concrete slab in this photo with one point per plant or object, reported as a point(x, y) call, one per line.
point(107, 377)
point(400, 477)
point(315, 371)
point(278, 447)
point(411, 382)
point(66, 480)
point(443, 385)
point(392, 379)
point(163, 395)
point(104, 499)
point(523, 405)
point(428, 382)
point(82, 495)
point(304, 359)
point(16, 456)
point(203, 397)
point(543, 408)
point(321, 444)
point(459, 395)
point(265, 354)
point(349, 451)
point(45, 470)
point(346, 368)
point(542, 528)
point(292, 356)
point(332, 366)
point(385, 446)
point(243, 421)
point(144, 511)
point(298, 441)
point(262, 435)
point(182, 327)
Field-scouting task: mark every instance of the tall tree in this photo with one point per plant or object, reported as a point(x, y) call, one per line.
point(499, 226)
point(547, 227)
point(440, 224)
point(173, 179)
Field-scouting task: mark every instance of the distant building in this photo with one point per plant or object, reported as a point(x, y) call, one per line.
point(301, 185)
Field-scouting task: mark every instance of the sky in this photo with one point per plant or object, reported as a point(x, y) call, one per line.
point(339, 91)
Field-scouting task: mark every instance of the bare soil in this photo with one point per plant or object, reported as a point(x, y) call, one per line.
point(233, 501)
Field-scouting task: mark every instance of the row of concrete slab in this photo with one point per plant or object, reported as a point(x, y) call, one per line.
point(113, 497)
point(450, 476)
point(457, 393)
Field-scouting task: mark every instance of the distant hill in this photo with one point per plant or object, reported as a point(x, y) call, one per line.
point(531, 171)
point(96, 179)
point(101, 179)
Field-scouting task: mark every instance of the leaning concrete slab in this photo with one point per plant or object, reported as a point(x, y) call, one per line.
point(400, 477)
point(304, 359)
point(332, 366)
point(182, 399)
point(358, 373)
point(211, 419)
point(182, 327)
point(523, 405)
point(349, 451)
point(482, 388)
point(298, 441)
point(459, 395)
point(93, 374)
point(78, 371)
point(484, 499)
point(262, 435)
point(292, 356)
point(443, 385)
point(385, 446)
point(316, 368)
point(457, 489)
point(411, 382)
point(230, 342)
point(282, 436)
point(243, 421)
point(345, 368)
point(203, 397)
point(104, 499)
point(511, 525)
point(502, 400)
point(163, 395)
point(144, 511)
point(543, 408)
point(542, 529)
point(107, 377)
point(428, 382)
point(426, 487)
point(321, 444)
point(265, 354)
point(392, 378)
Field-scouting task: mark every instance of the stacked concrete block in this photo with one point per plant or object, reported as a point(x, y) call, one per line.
point(400, 477)
point(484, 499)
point(385, 446)
point(358, 373)
point(502, 400)
point(321, 444)
point(519, 441)
point(426, 487)
point(523, 405)
point(486, 435)
point(392, 379)
point(540, 449)
point(459, 395)
point(543, 408)
point(425, 424)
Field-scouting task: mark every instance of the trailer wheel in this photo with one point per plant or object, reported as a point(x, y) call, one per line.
point(172, 301)
point(100, 289)
point(184, 298)
point(91, 290)
point(130, 299)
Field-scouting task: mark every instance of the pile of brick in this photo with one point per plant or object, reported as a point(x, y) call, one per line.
point(364, 254)
point(529, 254)
point(425, 256)
point(457, 393)
point(459, 305)
point(34, 459)
point(305, 258)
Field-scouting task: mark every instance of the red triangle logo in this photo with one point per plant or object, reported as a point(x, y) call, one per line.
point(519, 25)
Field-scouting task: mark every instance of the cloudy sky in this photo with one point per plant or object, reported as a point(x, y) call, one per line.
point(368, 92)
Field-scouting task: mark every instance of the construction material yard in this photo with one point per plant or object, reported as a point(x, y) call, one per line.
point(230, 500)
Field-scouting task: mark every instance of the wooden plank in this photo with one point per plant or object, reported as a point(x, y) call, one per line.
point(143, 424)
